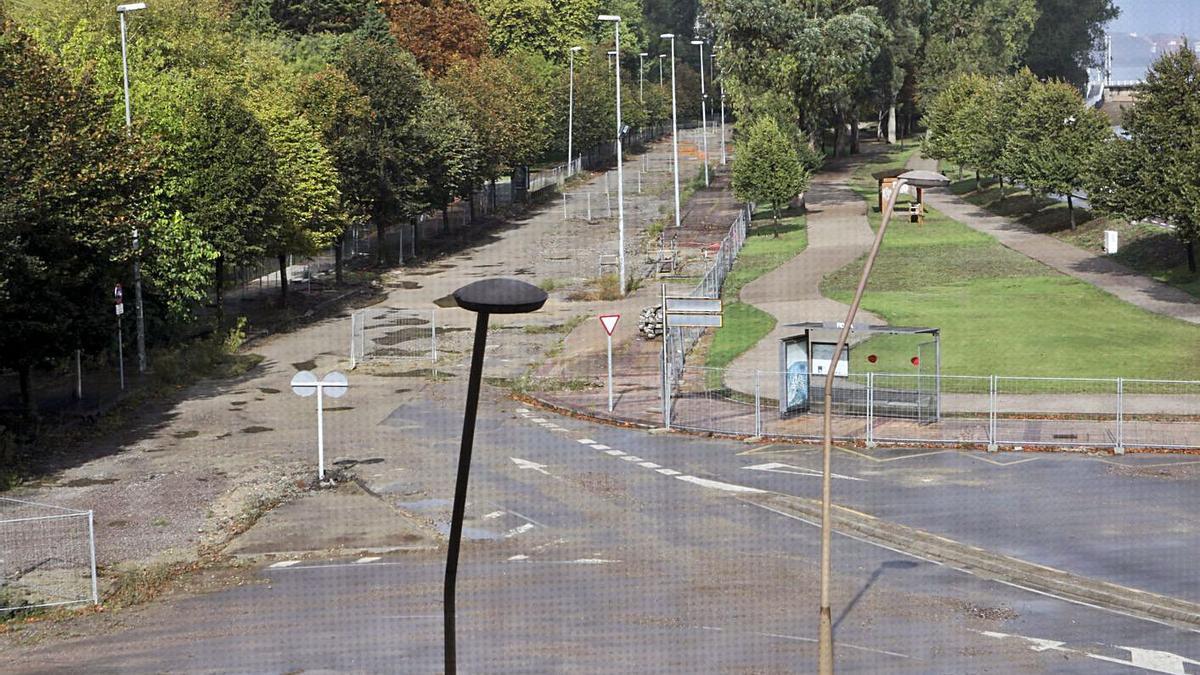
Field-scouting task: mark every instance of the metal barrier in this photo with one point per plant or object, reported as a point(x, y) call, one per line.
point(47, 556)
point(394, 334)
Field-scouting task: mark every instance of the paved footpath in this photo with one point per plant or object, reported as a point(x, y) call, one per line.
point(1098, 270)
point(838, 234)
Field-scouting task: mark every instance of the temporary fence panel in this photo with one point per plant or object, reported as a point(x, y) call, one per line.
point(1055, 411)
point(1158, 414)
point(393, 334)
point(47, 555)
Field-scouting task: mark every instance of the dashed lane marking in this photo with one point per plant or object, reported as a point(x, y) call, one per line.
point(668, 472)
point(585, 441)
point(650, 465)
point(717, 485)
point(632, 458)
point(614, 453)
point(599, 446)
point(367, 559)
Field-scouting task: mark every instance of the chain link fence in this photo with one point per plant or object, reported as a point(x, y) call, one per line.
point(47, 556)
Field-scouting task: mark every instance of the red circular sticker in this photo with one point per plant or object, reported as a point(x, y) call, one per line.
point(872, 358)
point(916, 360)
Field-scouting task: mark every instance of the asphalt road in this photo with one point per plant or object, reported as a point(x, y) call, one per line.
point(637, 553)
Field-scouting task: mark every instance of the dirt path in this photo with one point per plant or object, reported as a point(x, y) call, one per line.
point(838, 233)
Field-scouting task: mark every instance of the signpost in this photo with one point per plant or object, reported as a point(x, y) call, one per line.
point(304, 384)
point(683, 312)
point(119, 303)
point(609, 321)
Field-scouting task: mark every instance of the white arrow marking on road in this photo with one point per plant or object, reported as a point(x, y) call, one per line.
point(520, 529)
point(493, 514)
point(778, 467)
point(1144, 659)
point(716, 484)
point(526, 464)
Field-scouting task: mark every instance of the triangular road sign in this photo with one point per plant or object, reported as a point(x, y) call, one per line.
point(609, 321)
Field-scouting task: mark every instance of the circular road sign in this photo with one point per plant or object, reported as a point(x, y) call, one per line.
point(334, 384)
point(304, 383)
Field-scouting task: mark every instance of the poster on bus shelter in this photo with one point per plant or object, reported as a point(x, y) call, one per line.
point(796, 382)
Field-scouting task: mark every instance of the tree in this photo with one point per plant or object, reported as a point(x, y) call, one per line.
point(71, 191)
point(766, 168)
point(1011, 93)
point(973, 36)
point(1054, 139)
point(547, 27)
point(1161, 177)
point(1065, 37)
point(437, 32)
point(395, 86)
point(941, 120)
point(225, 177)
point(452, 153)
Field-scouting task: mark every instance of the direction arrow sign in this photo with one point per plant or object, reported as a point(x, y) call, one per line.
point(779, 467)
point(609, 321)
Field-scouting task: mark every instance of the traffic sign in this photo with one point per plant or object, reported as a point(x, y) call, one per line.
point(609, 321)
point(304, 383)
point(118, 294)
point(694, 321)
point(120, 308)
point(693, 305)
point(334, 384)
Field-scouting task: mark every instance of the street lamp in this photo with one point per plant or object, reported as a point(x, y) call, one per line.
point(660, 69)
point(674, 124)
point(703, 109)
point(487, 297)
point(571, 113)
point(122, 10)
point(616, 22)
point(722, 83)
point(919, 180)
point(642, 76)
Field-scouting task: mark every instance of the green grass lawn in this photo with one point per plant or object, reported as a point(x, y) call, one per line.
point(1149, 249)
point(1002, 313)
point(745, 325)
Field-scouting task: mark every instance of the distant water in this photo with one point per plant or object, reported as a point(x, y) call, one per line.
point(1121, 73)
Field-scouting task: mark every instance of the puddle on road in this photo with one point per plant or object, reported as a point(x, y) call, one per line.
point(268, 390)
point(310, 364)
point(256, 430)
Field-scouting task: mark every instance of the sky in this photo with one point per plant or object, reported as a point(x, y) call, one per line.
point(1158, 16)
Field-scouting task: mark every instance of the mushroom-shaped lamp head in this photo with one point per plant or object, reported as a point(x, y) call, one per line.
point(925, 179)
point(500, 296)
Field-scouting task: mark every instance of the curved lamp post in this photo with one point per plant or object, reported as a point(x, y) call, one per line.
point(919, 180)
point(487, 297)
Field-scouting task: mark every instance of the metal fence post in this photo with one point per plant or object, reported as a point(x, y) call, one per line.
point(993, 444)
point(757, 406)
point(1120, 447)
point(92, 551)
point(589, 194)
point(353, 338)
point(870, 410)
point(433, 333)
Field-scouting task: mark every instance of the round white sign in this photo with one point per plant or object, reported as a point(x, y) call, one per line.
point(334, 384)
point(304, 383)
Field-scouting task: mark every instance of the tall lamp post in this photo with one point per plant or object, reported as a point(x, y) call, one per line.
point(721, 82)
point(674, 124)
point(122, 10)
point(616, 22)
point(571, 113)
point(919, 180)
point(660, 69)
point(642, 76)
point(487, 297)
point(703, 108)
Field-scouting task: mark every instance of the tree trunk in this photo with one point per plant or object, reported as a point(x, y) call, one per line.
point(891, 124)
point(337, 259)
point(283, 279)
point(775, 217)
point(1001, 179)
point(28, 402)
point(445, 219)
point(416, 238)
point(1071, 209)
point(837, 137)
point(381, 243)
point(977, 180)
point(854, 135)
point(493, 194)
point(471, 203)
point(219, 279)
point(1191, 256)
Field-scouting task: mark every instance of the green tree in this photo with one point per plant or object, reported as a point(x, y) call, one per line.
point(973, 36)
point(548, 27)
point(766, 168)
point(452, 153)
point(1065, 37)
point(1054, 139)
point(1010, 95)
point(68, 202)
point(1165, 130)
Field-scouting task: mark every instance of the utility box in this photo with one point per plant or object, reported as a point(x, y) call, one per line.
point(1110, 242)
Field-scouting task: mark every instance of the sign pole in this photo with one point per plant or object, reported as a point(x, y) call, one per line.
point(320, 434)
point(120, 353)
point(610, 384)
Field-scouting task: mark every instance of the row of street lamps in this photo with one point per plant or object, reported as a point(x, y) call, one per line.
point(615, 54)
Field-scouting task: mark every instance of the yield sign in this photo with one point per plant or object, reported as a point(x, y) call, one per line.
point(609, 321)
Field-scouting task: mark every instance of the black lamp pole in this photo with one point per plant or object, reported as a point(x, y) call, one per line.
point(490, 296)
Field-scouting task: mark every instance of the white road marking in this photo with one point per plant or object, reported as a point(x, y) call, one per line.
point(522, 410)
point(840, 644)
point(285, 563)
point(526, 464)
point(493, 514)
point(599, 446)
point(585, 441)
point(1150, 660)
point(539, 420)
point(593, 561)
point(650, 465)
point(519, 556)
point(632, 458)
point(716, 484)
point(668, 472)
point(779, 467)
point(367, 559)
point(614, 453)
point(520, 529)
